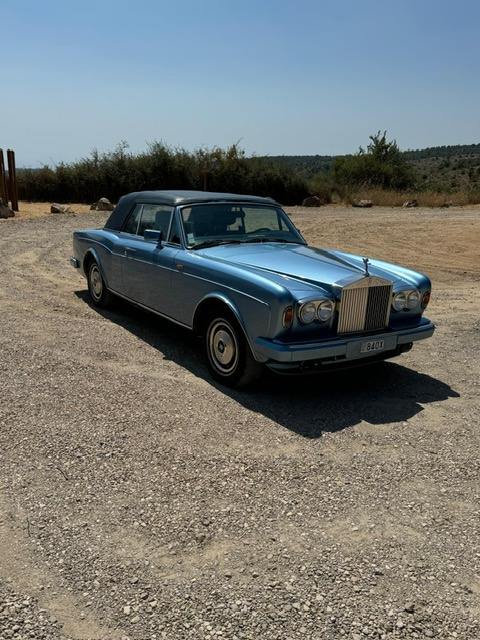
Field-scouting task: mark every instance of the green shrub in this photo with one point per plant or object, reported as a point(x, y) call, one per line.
point(115, 173)
point(382, 165)
point(322, 186)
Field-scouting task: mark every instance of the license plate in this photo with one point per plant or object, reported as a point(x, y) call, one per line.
point(372, 345)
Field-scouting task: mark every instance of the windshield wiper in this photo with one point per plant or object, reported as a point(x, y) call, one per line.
point(264, 239)
point(213, 243)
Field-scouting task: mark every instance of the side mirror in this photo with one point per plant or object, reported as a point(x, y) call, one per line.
point(152, 235)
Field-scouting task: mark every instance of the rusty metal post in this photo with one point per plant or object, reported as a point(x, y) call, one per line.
point(3, 180)
point(12, 179)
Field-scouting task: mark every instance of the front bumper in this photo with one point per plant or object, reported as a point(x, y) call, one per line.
point(346, 349)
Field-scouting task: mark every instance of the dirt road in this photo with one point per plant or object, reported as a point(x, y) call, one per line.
point(139, 500)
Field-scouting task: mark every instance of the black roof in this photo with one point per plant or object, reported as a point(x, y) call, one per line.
point(174, 198)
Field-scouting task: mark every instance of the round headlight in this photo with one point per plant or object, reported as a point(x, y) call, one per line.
point(399, 301)
point(307, 312)
point(325, 310)
point(413, 299)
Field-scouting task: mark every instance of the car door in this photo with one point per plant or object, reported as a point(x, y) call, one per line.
point(147, 265)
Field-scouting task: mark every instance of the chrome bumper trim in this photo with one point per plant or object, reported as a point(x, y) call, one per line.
point(342, 348)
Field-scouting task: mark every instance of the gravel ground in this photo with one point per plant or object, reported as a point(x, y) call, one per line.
point(138, 500)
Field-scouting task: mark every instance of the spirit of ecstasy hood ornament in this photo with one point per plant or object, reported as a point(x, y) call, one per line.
point(366, 262)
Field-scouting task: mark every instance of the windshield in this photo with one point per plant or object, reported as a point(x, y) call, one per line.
point(224, 223)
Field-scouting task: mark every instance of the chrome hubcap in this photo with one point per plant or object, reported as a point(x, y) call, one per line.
point(96, 284)
point(223, 347)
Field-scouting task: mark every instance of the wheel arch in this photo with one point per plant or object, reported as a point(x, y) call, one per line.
point(90, 256)
point(206, 307)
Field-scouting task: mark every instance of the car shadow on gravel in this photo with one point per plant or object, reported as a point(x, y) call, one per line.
point(379, 393)
point(310, 405)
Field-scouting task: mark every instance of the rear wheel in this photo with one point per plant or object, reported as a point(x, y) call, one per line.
point(229, 356)
point(100, 295)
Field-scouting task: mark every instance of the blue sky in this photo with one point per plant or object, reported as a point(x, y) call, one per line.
point(282, 77)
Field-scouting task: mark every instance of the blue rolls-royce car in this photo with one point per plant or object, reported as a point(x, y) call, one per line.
point(236, 271)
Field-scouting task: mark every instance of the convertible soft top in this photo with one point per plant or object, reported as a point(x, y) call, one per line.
point(173, 198)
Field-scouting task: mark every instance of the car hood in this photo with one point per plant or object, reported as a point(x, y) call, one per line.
point(304, 264)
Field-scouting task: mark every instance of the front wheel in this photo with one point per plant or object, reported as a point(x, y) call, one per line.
point(100, 295)
point(229, 356)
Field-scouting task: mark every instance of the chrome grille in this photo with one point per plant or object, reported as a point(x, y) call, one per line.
point(365, 305)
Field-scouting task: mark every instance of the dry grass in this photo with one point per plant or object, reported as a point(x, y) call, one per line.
point(42, 209)
point(382, 198)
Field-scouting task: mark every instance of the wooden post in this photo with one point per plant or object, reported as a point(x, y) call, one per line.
point(205, 173)
point(12, 179)
point(3, 180)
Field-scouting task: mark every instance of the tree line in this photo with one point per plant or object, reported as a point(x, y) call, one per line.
point(288, 179)
point(114, 173)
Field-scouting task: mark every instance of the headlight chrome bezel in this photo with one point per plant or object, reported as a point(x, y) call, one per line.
point(413, 299)
point(315, 311)
point(325, 310)
point(406, 300)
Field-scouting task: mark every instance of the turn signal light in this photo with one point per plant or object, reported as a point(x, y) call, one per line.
point(288, 317)
point(425, 299)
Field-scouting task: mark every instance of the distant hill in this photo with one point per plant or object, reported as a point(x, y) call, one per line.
point(451, 167)
point(453, 151)
point(446, 166)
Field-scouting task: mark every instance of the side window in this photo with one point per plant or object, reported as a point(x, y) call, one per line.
point(151, 216)
point(163, 216)
point(131, 225)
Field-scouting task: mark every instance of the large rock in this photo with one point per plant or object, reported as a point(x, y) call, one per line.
point(312, 201)
point(103, 204)
point(365, 204)
point(60, 208)
point(5, 212)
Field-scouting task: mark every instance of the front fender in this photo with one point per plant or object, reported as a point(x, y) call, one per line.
point(251, 330)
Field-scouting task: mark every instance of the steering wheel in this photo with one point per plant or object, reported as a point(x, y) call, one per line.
point(260, 229)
